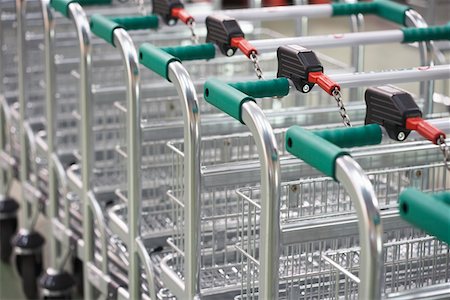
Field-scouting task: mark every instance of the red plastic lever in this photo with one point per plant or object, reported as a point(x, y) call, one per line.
point(243, 45)
point(182, 15)
point(323, 81)
point(425, 129)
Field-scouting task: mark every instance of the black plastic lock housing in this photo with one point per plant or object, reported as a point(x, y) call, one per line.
point(164, 8)
point(390, 107)
point(295, 63)
point(221, 29)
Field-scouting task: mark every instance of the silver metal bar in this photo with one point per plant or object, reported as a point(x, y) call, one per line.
point(23, 168)
point(81, 22)
point(272, 13)
point(191, 114)
point(361, 191)
point(357, 55)
point(124, 43)
point(269, 249)
point(148, 267)
point(332, 40)
point(392, 77)
point(50, 99)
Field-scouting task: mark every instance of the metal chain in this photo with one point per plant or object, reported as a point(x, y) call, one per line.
point(141, 7)
point(342, 111)
point(445, 151)
point(194, 36)
point(256, 66)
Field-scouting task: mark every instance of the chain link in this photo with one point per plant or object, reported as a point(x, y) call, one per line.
point(445, 151)
point(191, 26)
point(342, 111)
point(256, 66)
point(141, 7)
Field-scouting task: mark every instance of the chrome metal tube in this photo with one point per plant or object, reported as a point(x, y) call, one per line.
point(361, 191)
point(191, 114)
point(124, 43)
point(332, 40)
point(272, 13)
point(269, 249)
point(81, 22)
point(392, 77)
point(50, 102)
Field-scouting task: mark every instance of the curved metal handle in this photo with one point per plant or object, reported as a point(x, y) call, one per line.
point(63, 5)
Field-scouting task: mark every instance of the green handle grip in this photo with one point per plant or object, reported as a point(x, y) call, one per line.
point(314, 150)
point(385, 9)
point(156, 59)
point(104, 27)
point(63, 5)
point(263, 88)
point(226, 98)
point(192, 52)
point(321, 148)
point(411, 35)
point(353, 136)
point(427, 212)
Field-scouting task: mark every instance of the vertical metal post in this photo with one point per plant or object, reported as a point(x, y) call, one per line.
point(269, 247)
point(133, 132)
point(191, 114)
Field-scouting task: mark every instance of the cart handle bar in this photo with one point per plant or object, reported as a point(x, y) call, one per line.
point(388, 10)
point(320, 149)
point(104, 27)
point(63, 5)
point(429, 212)
point(157, 59)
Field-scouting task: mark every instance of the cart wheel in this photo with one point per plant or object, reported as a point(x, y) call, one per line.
point(77, 267)
point(28, 260)
point(56, 285)
point(29, 267)
point(8, 226)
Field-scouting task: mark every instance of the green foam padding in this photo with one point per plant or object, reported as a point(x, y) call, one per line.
point(192, 52)
point(434, 33)
point(313, 149)
point(225, 97)
point(427, 212)
point(264, 88)
point(353, 136)
point(156, 59)
point(62, 5)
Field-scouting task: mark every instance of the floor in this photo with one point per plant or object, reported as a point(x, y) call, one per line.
point(378, 57)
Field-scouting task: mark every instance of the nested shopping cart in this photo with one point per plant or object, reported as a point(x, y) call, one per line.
point(8, 86)
point(165, 65)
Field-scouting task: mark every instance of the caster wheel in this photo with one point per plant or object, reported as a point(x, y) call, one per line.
point(8, 226)
point(28, 252)
point(56, 285)
point(77, 267)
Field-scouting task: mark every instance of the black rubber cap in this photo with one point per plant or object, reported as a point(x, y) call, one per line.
point(62, 281)
point(29, 240)
point(8, 205)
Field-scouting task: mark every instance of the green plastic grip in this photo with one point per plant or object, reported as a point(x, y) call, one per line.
point(388, 10)
point(225, 97)
point(263, 88)
point(411, 34)
point(353, 136)
point(321, 148)
point(156, 59)
point(430, 213)
point(192, 52)
point(314, 150)
point(104, 27)
point(62, 5)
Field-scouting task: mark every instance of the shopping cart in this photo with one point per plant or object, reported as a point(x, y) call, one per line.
point(305, 209)
point(172, 267)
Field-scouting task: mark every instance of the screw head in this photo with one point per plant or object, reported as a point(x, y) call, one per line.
point(401, 136)
point(230, 52)
point(305, 88)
